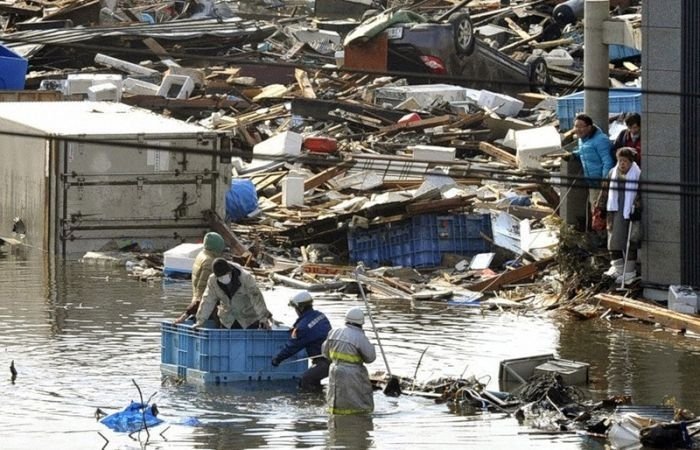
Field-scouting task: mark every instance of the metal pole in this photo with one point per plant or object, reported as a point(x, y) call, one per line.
point(595, 62)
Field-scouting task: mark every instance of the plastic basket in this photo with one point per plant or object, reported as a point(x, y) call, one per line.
point(421, 241)
point(619, 101)
point(13, 69)
point(221, 355)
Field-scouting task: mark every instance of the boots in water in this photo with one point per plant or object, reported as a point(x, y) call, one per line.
point(615, 270)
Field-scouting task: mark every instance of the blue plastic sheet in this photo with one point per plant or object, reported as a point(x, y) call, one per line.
point(132, 418)
point(241, 199)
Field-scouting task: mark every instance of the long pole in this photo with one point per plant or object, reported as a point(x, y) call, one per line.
point(595, 62)
point(371, 320)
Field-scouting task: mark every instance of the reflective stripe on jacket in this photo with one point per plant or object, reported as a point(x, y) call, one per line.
point(349, 388)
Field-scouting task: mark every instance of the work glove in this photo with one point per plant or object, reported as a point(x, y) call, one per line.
point(636, 215)
point(275, 362)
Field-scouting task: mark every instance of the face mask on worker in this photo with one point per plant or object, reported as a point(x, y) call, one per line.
point(225, 279)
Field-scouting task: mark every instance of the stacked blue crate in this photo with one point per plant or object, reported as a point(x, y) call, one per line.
point(622, 100)
point(421, 240)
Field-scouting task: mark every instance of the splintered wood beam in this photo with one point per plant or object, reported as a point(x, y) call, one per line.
point(509, 277)
point(650, 312)
point(497, 153)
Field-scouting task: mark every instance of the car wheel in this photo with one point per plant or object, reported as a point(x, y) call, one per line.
point(463, 34)
point(538, 73)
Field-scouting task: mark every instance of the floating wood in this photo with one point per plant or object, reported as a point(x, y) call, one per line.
point(650, 312)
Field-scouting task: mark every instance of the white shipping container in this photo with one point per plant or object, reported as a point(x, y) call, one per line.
point(84, 174)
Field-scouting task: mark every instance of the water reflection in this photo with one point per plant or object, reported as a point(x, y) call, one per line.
point(352, 432)
point(80, 333)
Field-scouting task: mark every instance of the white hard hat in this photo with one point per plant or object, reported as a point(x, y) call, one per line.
point(355, 315)
point(300, 298)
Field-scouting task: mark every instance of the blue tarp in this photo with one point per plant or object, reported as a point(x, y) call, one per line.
point(241, 199)
point(132, 418)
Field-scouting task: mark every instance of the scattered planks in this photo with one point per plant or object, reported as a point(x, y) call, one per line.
point(509, 277)
point(497, 153)
point(650, 312)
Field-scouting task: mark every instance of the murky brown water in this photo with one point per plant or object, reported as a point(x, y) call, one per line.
point(79, 334)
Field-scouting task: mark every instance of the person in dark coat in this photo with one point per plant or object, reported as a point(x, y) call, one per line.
point(309, 332)
point(631, 137)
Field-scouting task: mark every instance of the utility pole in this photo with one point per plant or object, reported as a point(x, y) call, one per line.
point(595, 62)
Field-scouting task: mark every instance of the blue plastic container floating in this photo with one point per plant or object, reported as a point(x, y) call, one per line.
point(618, 52)
point(13, 70)
point(213, 356)
point(619, 101)
point(421, 241)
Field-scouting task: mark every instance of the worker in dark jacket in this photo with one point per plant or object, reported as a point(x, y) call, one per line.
point(309, 332)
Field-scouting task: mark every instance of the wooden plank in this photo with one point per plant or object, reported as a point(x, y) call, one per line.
point(515, 27)
point(650, 312)
point(509, 277)
point(552, 44)
point(160, 51)
point(497, 153)
point(320, 178)
point(439, 205)
point(307, 90)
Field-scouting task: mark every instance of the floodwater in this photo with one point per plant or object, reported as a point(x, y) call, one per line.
point(79, 334)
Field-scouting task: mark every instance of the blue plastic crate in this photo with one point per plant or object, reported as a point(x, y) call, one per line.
point(213, 355)
point(618, 52)
point(619, 101)
point(462, 233)
point(369, 246)
point(13, 70)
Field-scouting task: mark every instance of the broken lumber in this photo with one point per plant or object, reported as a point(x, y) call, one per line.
point(318, 179)
point(497, 153)
point(650, 312)
point(509, 277)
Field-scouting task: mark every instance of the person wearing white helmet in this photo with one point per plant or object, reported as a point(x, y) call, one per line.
point(349, 388)
point(309, 331)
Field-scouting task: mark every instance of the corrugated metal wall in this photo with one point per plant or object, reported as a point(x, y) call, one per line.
point(690, 142)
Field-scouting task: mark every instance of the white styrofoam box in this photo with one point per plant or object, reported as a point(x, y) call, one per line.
point(339, 58)
point(286, 143)
point(509, 139)
point(502, 104)
point(682, 299)
point(293, 190)
point(423, 94)
point(181, 258)
point(176, 86)
point(79, 83)
point(559, 57)
point(532, 144)
point(105, 92)
point(433, 153)
point(139, 87)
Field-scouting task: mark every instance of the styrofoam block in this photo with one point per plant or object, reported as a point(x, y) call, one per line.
point(500, 103)
point(559, 57)
point(181, 258)
point(423, 94)
point(104, 92)
point(79, 83)
point(532, 144)
point(314, 35)
point(433, 153)
point(286, 143)
point(293, 190)
point(139, 87)
point(176, 86)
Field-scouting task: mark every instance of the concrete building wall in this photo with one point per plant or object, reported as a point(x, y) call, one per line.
point(661, 137)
